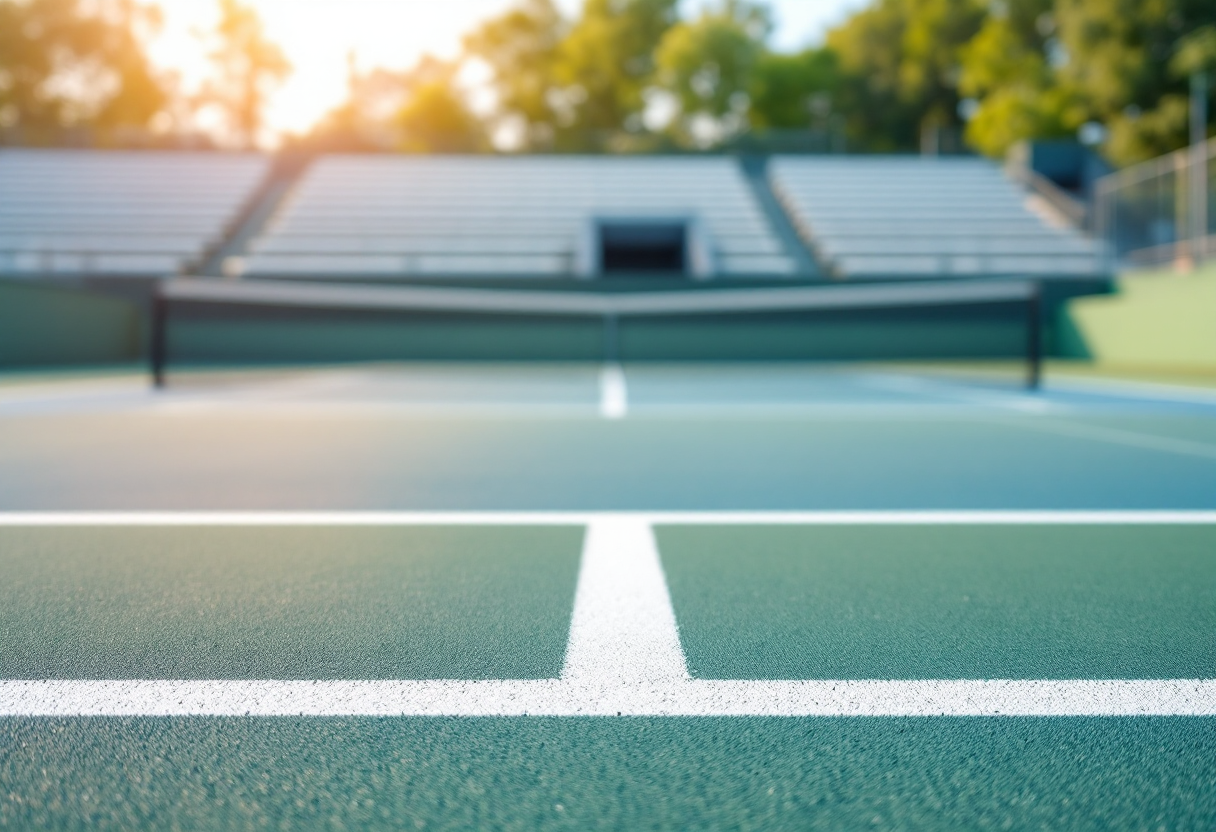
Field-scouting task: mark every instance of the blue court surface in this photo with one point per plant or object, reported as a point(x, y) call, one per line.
point(573, 596)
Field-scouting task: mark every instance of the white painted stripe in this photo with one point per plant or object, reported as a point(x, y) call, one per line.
point(1129, 388)
point(1117, 436)
point(614, 394)
point(623, 659)
point(623, 629)
point(553, 697)
point(565, 518)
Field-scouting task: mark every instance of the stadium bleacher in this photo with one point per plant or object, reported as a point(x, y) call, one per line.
point(912, 217)
point(91, 213)
point(117, 214)
point(383, 216)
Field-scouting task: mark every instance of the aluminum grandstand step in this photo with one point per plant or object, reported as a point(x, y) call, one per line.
point(870, 217)
point(375, 216)
point(106, 213)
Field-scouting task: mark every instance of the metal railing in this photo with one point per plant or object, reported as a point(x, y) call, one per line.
point(1160, 211)
point(1071, 208)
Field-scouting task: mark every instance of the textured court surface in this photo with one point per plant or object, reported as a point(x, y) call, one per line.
point(1029, 643)
point(945, 602)
point(286, 603)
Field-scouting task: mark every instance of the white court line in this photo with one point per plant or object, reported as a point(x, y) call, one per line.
point(1118, 436)
point(1128, 388)
point(557, 697)
point(579, 518)
point(623, 659)
point(919, 385)
point(623, 629)
point(614, 393)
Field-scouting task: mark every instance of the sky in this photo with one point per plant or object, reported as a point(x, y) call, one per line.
point(318, 35)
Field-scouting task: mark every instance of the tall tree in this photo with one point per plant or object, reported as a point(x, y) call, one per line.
point(521, 48)
point(365, 120)
point(708, 64)
point(435, 117)
point(573, 86)
point(1117, 56)
point(67, 65)
point(793, 90)
point(606, 62)
point(901, 63)
point(1042, 68)
point(247, 66)
point(1008, 73)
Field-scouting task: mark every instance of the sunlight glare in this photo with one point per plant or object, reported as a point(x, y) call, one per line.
point(319, 35)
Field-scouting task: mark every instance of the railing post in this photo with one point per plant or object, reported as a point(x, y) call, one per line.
point(1197, 187)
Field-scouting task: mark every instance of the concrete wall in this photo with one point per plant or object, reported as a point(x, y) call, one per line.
point(46, 325)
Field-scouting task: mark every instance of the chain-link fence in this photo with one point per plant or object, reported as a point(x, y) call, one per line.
point(1160, 211)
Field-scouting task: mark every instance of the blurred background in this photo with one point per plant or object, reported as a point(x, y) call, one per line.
point(1096, 111)
point(603, 75)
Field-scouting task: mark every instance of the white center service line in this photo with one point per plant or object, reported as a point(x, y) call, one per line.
point(623, 629)
point(614, 392)
point(624, 658)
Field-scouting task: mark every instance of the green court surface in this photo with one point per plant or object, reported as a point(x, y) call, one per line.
point(603, 598)
point(944, 602)
point(704, 773)
point(286, 603)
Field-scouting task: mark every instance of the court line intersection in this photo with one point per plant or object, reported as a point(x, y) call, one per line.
point(623, 656)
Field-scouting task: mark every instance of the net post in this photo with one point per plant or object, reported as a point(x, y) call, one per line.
point(1034, 336)
point(157, 347)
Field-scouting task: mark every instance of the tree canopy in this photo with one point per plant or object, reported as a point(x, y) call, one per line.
point(71, 70)
point(248, 65)
point(894, 76)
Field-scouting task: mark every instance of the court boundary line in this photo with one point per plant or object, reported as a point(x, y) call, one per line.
point(1117, 436)
point(623, 657)
point(562, 698)
point(913, 517)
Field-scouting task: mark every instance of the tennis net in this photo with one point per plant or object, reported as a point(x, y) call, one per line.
point(200, 321)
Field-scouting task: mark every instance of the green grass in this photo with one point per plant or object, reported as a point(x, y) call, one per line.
point(944, 602)
point(286, 603)
point(1158, 321)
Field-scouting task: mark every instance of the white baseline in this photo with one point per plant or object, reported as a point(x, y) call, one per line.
point(582, 518)
point(623, 656)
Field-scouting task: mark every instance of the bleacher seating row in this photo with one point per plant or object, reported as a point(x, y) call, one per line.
point(910, 217)
point(73, 213)
point(364, 216)
point(101, 213)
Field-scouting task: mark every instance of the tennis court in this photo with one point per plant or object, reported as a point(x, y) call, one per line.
point(570, 596)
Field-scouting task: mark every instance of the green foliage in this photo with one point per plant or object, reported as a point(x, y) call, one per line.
point(1006, 70)
point(435, 117)
point(708, 64)
point(521, 48)
point(1196, 53)
point(900, 66)
point(67, 66)
point(896, 75)
point(1116, 58)
point(787, 90)
point(606, 62)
